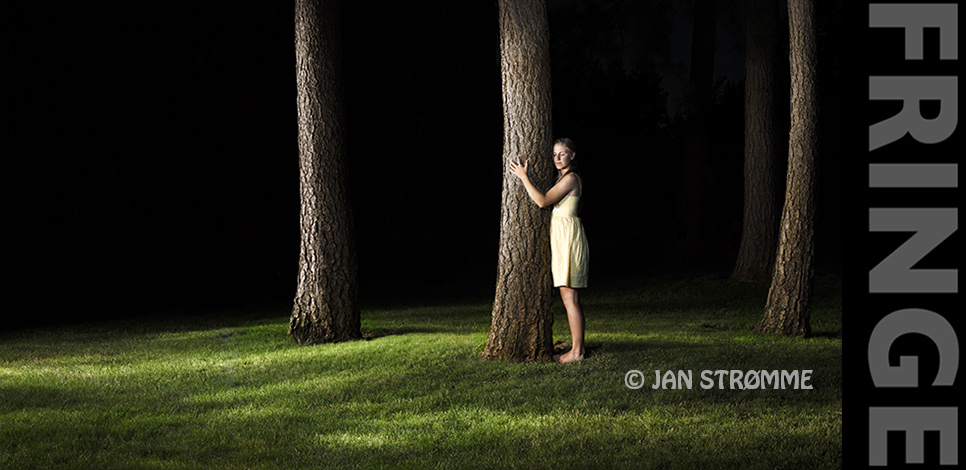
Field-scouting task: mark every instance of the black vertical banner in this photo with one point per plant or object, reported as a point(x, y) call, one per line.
point(902, 313)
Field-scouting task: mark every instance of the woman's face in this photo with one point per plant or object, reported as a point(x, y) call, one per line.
point(562, 156)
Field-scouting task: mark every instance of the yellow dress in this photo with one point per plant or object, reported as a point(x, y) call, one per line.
point(569, 254)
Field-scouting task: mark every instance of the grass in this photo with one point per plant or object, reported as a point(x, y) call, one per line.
point(229, 390)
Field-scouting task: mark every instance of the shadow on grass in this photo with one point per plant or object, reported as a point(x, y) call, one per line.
point(382, 333)
point(594, 348)
point(826, 335)
point(35, 397)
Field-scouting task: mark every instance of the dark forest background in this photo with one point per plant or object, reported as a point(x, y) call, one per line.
point(154, 163)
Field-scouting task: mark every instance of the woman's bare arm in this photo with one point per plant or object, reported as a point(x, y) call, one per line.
point(563, 187)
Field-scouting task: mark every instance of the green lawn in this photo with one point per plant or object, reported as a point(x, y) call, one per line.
point(230, 391)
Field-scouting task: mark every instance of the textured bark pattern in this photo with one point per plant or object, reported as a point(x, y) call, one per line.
point(521, 328)
point(325, 307)
point(790, 296)
point(688, 247)
point(760, 226)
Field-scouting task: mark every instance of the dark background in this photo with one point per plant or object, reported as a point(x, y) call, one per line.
point(154, 162)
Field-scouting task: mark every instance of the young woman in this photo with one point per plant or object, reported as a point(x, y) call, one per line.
point(568, 244)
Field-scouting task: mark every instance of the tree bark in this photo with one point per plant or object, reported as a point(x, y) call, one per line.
point(688, 247)
point(522, 319)
point(790, 296)
point(325, 307)
point(759, 230)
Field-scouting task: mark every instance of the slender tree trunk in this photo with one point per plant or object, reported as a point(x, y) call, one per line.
point(760, 227)
point(790, 296)
point(325, 307)
point(521, 329)
point(695, 171)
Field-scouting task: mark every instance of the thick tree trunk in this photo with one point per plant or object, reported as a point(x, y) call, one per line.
point(759, 231)
point(688, 247)
point(521, 329)
point(325, 307)
point(790, 296)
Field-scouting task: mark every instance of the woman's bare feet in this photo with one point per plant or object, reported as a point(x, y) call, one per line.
point(570, 356)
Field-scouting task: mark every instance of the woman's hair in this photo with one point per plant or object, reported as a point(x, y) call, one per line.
point(569, 143)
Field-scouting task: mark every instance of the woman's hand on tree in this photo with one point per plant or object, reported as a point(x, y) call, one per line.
point(519, 168)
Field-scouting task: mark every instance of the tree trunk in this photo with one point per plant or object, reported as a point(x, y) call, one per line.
point(790, 296)
point(325, 307)
point(521, 328)
point(688, 247)
point(759, 231)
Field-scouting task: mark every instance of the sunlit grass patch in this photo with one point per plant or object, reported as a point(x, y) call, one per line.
point(231, 391)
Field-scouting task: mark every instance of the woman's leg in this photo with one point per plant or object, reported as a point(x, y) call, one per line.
point(575, 316)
